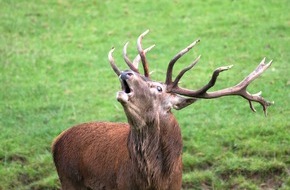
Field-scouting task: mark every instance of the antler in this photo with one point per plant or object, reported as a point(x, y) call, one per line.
point(239, 89)
point(112, 62)
point(168, 80)
point(134, 65)
point(141, 56)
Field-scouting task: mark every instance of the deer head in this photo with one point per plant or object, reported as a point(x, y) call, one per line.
point(142, 97)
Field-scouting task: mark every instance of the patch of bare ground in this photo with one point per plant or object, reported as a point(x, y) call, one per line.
point(265, 180)
point(14, 158)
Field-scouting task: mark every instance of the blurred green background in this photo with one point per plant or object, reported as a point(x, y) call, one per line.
point(54, 74)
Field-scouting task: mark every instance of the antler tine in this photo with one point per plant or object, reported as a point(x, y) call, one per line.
point(179, 76)
point(112, 62)
point(212, 82)
point(196, 93)
point(240, 89)
point(138, 58)
point(142, 54)
point(256, 73)
point(127, 60)
point(168, 80)
point(255, 97)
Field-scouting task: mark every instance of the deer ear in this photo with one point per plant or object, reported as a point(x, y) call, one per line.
point(180, 102)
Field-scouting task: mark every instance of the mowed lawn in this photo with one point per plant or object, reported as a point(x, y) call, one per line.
point(54, 74)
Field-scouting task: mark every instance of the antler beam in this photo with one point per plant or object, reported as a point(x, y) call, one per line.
point(239, 89)
point(142, 54)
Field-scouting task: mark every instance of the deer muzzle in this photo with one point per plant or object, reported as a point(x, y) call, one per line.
point(123, 96)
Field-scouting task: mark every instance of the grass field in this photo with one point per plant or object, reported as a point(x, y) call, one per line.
point(54, 74)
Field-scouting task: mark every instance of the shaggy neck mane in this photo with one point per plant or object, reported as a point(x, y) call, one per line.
point(154, 149)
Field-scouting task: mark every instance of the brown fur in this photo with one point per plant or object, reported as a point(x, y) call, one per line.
point(144, 154)
point(89, 156)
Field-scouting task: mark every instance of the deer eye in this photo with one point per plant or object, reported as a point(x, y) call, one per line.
point(159, 89)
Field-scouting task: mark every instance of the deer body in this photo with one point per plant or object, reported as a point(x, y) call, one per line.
point(90, 156)
point(146, 152)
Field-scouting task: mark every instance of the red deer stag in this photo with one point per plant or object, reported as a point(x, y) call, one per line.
point(146, 152)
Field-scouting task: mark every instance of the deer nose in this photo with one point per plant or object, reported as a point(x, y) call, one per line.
point(126, 75)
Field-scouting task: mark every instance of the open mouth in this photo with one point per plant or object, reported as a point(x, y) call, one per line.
point(127, 92)
point(125, 86)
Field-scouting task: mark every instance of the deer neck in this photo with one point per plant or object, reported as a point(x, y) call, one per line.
point(155, 147)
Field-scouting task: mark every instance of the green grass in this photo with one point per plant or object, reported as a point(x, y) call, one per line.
point(54, 74)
